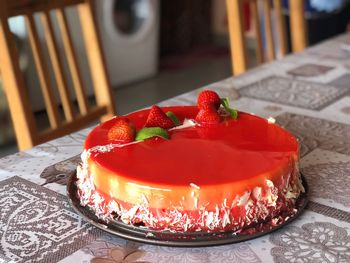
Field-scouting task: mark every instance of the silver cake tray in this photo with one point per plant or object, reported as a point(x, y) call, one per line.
point(179, 239)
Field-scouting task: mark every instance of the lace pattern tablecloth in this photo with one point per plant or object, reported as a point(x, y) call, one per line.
point(308, 93)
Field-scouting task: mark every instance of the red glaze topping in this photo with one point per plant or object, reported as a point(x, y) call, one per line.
point(221, 153)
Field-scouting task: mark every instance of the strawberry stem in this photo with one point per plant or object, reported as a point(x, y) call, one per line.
point(225, 103)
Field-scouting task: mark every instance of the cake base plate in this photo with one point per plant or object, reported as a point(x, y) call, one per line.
point(178, 239)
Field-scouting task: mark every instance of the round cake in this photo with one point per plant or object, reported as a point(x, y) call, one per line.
point(226, 175)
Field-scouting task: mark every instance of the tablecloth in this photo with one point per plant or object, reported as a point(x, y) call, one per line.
point(308, 94)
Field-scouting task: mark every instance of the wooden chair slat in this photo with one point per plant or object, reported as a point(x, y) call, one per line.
point(268, 30)
point(297, 25)
point(236, 32)
point(69, 127)
point(21, 112)
point(256, 23)
point(57, 66)
point(281, 27)
point(17, 97)
point(72, 61)
point(20, 7)
point(43, 75)
point(103, 91)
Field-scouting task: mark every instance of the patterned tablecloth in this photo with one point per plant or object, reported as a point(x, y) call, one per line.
point(307, 93)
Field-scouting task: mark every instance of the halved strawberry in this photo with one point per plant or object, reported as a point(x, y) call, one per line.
point(157, 118)
point(123, 130)
point(207, 99)
point(208, 116)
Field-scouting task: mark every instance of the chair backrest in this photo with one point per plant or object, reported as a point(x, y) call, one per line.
point(26, 130)
point(237, 36)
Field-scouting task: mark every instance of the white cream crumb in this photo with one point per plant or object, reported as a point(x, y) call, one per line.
point(271, 120)
point(244, 199)
point(290, 194)
point(196, 202)
point(257, 192)
point(186, 124)
point(269, 183)
point(150, 234)
point(194, 186)
point(145, 200)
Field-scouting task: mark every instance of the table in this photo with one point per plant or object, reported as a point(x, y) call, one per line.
point(308, 93)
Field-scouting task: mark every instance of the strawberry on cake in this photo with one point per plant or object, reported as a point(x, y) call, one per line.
point(190, 168)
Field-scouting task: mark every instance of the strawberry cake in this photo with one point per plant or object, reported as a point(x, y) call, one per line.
point(190, 168)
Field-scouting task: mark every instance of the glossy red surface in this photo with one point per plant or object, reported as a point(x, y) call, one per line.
point(232, 151)
point(207, 178)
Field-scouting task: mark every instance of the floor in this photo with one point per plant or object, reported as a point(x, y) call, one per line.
point(166, 84)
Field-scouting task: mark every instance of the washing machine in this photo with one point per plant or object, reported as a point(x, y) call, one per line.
point(129, 32)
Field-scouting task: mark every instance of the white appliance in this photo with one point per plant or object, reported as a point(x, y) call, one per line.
point(129, 32)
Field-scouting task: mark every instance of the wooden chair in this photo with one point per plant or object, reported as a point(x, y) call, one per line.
point(22, 115)
point(237, 37)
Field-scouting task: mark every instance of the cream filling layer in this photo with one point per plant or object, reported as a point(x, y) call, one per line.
point(255, 205)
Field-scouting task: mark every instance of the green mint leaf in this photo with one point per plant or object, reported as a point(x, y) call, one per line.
point(225, 103)
point(150, 132)
point(173, 117)
point(233, 113)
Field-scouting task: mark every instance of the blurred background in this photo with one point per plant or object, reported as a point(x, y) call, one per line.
point(158, 49)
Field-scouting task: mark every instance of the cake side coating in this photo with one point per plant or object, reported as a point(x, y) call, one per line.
point(223, 177)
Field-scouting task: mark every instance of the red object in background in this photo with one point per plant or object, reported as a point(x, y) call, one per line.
point(246, 15)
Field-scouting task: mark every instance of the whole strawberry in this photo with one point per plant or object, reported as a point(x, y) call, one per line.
point(208, 116)
point(123, 130)
point(208, 99)
point(157, 118)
